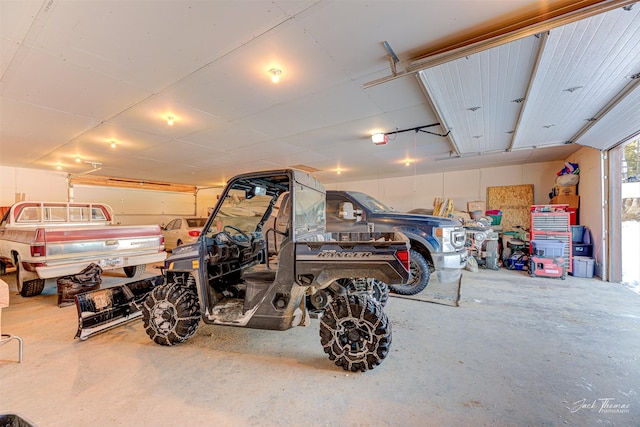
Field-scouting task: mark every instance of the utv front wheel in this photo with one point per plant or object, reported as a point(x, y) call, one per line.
point(355, 333)
point(420, 272)
point(171, 314)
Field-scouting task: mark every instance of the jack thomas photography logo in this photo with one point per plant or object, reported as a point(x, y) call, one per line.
point(605, 405)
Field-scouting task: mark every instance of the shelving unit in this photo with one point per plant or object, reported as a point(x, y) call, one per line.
point(552, 222)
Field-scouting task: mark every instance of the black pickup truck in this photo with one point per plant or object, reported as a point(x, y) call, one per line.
point(437, 244)
point(228, 277)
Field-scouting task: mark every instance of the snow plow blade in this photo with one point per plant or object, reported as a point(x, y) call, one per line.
point(104, 309)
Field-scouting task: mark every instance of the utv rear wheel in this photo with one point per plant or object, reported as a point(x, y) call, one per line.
point(27, 288)
point(355, 333)
point(135, 270)
point(171, 314)
point(419, 279)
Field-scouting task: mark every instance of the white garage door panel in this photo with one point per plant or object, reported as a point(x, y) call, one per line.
point(619, 125)
point(125, 201)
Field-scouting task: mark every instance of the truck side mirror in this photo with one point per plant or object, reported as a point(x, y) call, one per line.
point(347, 211)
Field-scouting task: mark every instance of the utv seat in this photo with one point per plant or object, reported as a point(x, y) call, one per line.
point(280, 230)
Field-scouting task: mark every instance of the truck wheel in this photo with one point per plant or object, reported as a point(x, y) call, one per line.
point(420, 273)
point(171, 314)
point(135, 270)
point(27, 288)
point(355, 333)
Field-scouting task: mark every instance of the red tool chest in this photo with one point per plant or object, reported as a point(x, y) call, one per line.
point(552, 222)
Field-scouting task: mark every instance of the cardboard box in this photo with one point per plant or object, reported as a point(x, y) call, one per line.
point(476, 206)
point(568, 190)
point(572, 201)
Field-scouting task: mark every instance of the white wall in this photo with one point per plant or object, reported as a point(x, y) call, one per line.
point(137, 207)
point(590, 191)
point(156, 207)
point(31, 184)
point(419, 191)
point(206, 200)
point(130, 206)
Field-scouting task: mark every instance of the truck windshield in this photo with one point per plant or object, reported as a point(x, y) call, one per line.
point(371, 203)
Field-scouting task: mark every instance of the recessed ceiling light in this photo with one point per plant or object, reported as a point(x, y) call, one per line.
point(59, 167)
point(573, 89)
point(275, 74)
point(113, 143)
point(78, 160)
point(170, 120)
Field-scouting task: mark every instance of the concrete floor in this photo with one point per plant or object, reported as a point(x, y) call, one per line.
point(518, 351)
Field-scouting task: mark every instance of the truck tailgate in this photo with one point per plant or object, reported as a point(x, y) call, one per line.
point(110, 247)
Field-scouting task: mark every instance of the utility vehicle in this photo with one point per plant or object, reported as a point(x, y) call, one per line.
point(228, 277)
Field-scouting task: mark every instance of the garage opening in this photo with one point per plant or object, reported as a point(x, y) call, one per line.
point(630, 218)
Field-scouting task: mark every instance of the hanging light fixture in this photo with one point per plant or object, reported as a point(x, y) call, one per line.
point(170, 120)
point(275, 74)
point(113, 143)
point(379, 138)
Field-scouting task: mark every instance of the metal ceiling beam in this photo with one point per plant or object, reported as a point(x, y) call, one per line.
point(543, 42)
point(563, 15)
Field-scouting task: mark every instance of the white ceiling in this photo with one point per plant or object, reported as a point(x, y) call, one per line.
point(77, 75)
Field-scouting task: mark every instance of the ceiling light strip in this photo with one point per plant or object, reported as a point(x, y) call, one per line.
point(527, 27)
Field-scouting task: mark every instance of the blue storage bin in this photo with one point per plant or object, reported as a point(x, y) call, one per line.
point(577, 231)
point(547, 248)
point(583, 266)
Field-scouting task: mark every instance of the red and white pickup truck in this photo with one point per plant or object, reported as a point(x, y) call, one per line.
point(52, 239)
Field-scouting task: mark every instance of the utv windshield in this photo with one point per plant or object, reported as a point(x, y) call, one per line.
point(241, 213)
point(309, 212)
point(247, 204)
point(371, 203)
